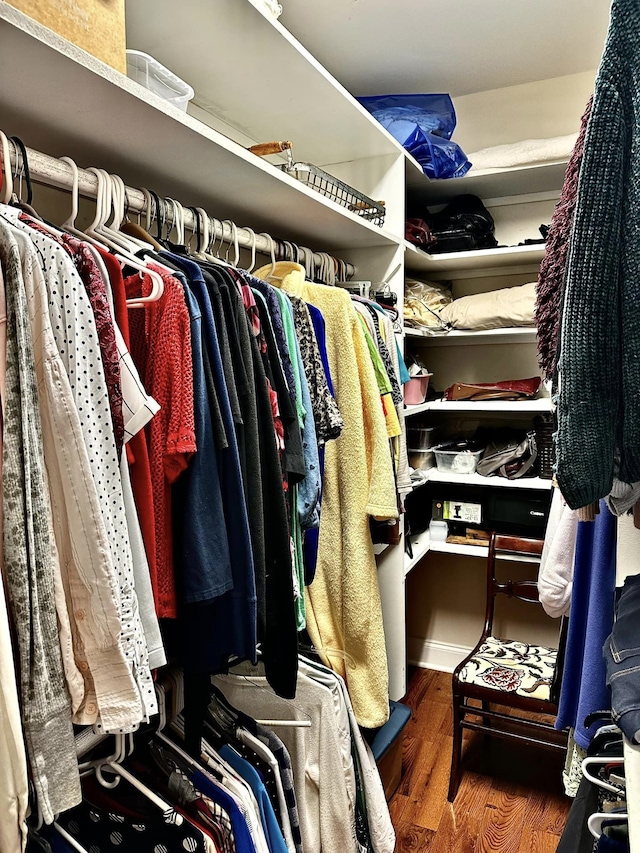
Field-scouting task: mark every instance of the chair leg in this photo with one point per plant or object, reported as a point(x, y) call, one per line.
point(486, 721)
point(454, 778)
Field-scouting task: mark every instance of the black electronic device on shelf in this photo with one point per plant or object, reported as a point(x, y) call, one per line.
point(519, 511)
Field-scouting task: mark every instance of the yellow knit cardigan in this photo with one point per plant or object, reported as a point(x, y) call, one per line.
point(344, 613)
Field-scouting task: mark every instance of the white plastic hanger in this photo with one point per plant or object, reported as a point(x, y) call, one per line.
point(165, 808)
point(203, 218)
point(272, 252)
point(213, 252)
point(120, 215)
point(252, 265)
point(69, 838)
point(148, 202)
point(598, 818)
point(597, 761)
point(307, 262)
point(178, 220)
point(7, 173)
point(234, 239)
point(99, 230)
point(70, 222)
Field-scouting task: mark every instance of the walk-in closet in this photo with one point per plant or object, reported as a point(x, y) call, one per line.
point(319, 347)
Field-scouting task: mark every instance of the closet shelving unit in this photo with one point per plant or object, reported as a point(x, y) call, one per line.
point(518, 199)
point(254, 82)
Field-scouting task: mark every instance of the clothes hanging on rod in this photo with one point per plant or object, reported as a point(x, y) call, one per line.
point(343, 603)
point(168, 415)
point(54, 172)
point(246, 789)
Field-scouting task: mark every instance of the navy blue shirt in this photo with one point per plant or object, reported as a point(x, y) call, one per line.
point(227, 626)
point(200, 536)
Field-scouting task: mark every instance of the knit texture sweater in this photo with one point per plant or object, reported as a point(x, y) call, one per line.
point(550, 285)
point(598, 407)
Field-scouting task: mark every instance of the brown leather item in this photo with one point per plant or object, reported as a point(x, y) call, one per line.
point(512, 389)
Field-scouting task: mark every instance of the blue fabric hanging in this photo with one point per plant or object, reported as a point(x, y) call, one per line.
point(584, 687)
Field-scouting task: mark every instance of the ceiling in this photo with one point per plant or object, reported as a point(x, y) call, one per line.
point(458, 46)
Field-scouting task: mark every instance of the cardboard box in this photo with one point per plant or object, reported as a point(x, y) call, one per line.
point(97, 26)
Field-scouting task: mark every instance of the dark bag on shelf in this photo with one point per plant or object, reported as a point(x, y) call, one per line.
point(417, 231)
point(464, 224)
point(509, 454)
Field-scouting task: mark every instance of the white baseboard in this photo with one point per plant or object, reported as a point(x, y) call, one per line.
point(432, 654)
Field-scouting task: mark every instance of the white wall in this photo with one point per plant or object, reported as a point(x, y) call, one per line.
point(529, 111)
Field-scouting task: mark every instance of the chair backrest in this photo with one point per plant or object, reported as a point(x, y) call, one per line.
point(522, 590)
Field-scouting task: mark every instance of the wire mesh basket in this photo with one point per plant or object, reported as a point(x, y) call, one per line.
point(324, 183)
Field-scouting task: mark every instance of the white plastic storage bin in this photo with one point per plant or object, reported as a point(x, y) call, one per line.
point(151, 74)
point(457, 458)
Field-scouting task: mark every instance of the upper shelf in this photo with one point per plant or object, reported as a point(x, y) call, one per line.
point(252, 74)
point(486, 183)
point(518, 335)
point(497, 261)
point(63, 101)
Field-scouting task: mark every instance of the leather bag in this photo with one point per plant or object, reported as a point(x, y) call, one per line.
point(511, 389)
point(418, 232)
point(509, 455)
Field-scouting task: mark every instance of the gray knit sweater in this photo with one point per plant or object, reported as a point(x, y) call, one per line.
point(599, 401)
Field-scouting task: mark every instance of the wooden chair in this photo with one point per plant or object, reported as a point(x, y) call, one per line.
point(507, 673)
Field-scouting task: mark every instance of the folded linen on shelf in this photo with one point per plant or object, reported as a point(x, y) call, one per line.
point(524, 153)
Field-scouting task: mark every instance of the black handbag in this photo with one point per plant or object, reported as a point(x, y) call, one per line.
point(464, 224)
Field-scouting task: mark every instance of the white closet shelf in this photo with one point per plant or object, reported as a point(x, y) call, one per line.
point(522, 335)
point(422, 545)
point(454, 264)
point(249, 71)
point(487, 183)
point(103, 118)
point(536, 483)
point(542, 404)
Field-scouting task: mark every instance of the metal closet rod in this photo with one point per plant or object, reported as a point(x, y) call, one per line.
point(52, 172)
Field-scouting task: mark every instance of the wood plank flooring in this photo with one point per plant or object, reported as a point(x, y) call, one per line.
point(510, 800)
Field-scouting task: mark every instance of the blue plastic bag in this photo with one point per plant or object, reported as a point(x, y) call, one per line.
point(423, 124)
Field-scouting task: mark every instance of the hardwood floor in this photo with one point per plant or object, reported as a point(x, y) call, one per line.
point(510, 800)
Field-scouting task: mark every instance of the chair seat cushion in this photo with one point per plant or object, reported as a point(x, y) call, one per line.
point(512, 667)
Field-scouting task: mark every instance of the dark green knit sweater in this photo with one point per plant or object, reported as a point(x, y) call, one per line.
point(599, 401)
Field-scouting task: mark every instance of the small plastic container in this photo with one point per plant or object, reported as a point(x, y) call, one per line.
point(438, 531)
point(415, 390)
point(421, 459)
point(457, 458)
point(151, 74)
point(422, 438)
